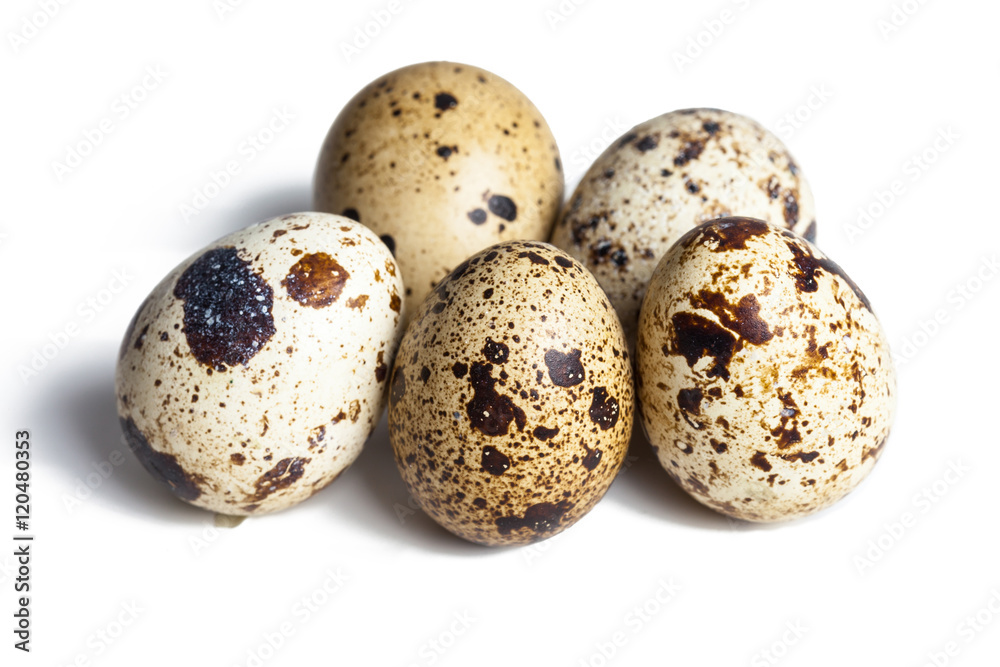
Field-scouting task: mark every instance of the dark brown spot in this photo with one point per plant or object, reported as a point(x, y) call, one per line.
point(696, 337)
point(398, 388)
point(534, 257)
point(503, 207)
point(564, 262)
point(380, 369)
point(425, 374)
point(163, 467)
point(565, 370)
point(494, 352)
point(459, 369)
point(791, 209)
point(444, 152)
point(647, 143)
point(604, 409)
point(237, 458)
point(760, 461)
point(227, 309)
point(444, 102)
point(719, 447)
point(543, 433)
point(710, 126)
point(805, 457)
point(806, 264)
point(141, 338)
point(281, 476)
point(479, 502)
point(689, 400)
point(627, 139)
point(488, 293)
point(394, 301)
point(592, 459)
point(540, 518)
point(477, 216)
point(494, 462)
point(489, 411)
point(316, 280)
point(728, 233)
point(690, 151)
point(874, 452)
point(744, 318)
point(351, 213)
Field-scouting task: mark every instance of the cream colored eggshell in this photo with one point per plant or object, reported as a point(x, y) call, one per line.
point(765, 380)
point(244, 414)
point(666, 176)
point(511, 401)
point(424, 153)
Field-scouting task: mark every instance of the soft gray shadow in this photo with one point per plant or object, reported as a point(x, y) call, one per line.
point(94, 436)
point(218, 220)
point(644, 486)
point(377, 500)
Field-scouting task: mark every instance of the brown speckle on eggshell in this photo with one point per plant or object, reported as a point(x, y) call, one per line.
point(522, 418)
point(768, 388)
point(666, 176)
point(443, 160)
point(258, 399)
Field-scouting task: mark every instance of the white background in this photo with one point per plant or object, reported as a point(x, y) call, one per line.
point(856, 584)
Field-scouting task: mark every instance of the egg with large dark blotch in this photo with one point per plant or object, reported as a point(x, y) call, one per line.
point(766, 384)
point(254, 372)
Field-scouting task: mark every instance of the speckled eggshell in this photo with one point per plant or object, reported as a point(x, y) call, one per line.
point(765, 380)
point(511, 400)
point(441, 160)
point(255, 371)
point(666, 176)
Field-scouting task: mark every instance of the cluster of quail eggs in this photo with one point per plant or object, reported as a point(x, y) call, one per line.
point(515, 337)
